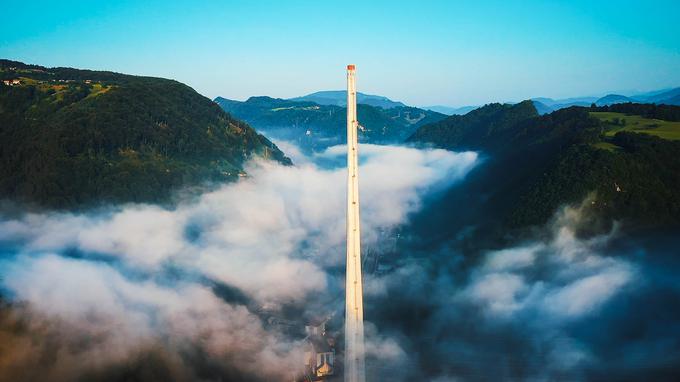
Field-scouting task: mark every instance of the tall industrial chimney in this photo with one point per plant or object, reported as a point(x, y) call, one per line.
point(354, 291)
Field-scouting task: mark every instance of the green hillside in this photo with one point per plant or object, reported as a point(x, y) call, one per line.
point(536, 164)
point(72, 137)
point(477, 129)
point(315, 127)
point(615, 122)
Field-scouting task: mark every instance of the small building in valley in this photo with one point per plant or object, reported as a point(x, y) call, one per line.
point(320, 353)
point(13, 82)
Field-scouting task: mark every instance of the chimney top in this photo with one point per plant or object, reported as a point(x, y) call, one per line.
point(351, 67)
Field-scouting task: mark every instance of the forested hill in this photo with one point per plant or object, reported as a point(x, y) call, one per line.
point(477, 129)
point(71, 137)
point(627, 156)
point(339, 98)
point(314, 127)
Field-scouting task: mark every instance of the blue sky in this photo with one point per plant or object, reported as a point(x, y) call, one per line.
point(419, 52)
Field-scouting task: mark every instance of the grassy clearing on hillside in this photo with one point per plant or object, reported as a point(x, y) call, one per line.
point(616, 122)
point(606, 146)
point(98, 89)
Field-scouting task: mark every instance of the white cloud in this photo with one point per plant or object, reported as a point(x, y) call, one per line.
point(271, 235)
point(512, 258)
point(586, 294)
point(119, 315)
point(565, 276)
point(501, 293)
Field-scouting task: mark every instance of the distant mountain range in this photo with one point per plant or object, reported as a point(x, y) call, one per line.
point(611, 99)
point(451, 110)
point(546, 105)
point(315, 126)
point(339, 98)
point(71, 138)
point(557, 104)
point(666, 97)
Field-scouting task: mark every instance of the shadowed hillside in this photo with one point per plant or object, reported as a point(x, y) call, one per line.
point(536, 164)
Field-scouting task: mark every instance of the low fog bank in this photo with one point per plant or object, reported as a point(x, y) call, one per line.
point(196, 292)
point(556, 308)
point(144, 292)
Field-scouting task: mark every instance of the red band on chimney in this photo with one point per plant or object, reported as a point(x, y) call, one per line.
point(350, 67)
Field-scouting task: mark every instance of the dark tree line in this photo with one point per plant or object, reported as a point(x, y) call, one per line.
point(647, 110)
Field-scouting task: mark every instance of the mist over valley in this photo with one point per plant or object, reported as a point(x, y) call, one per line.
point(288, 191)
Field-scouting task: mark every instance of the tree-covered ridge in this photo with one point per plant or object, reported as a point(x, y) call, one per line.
point(638, 184)
point(538, 163)
point(339, 98)
point(72, 137)
point(476, 129)
point(315, 127)
point(647, 110)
